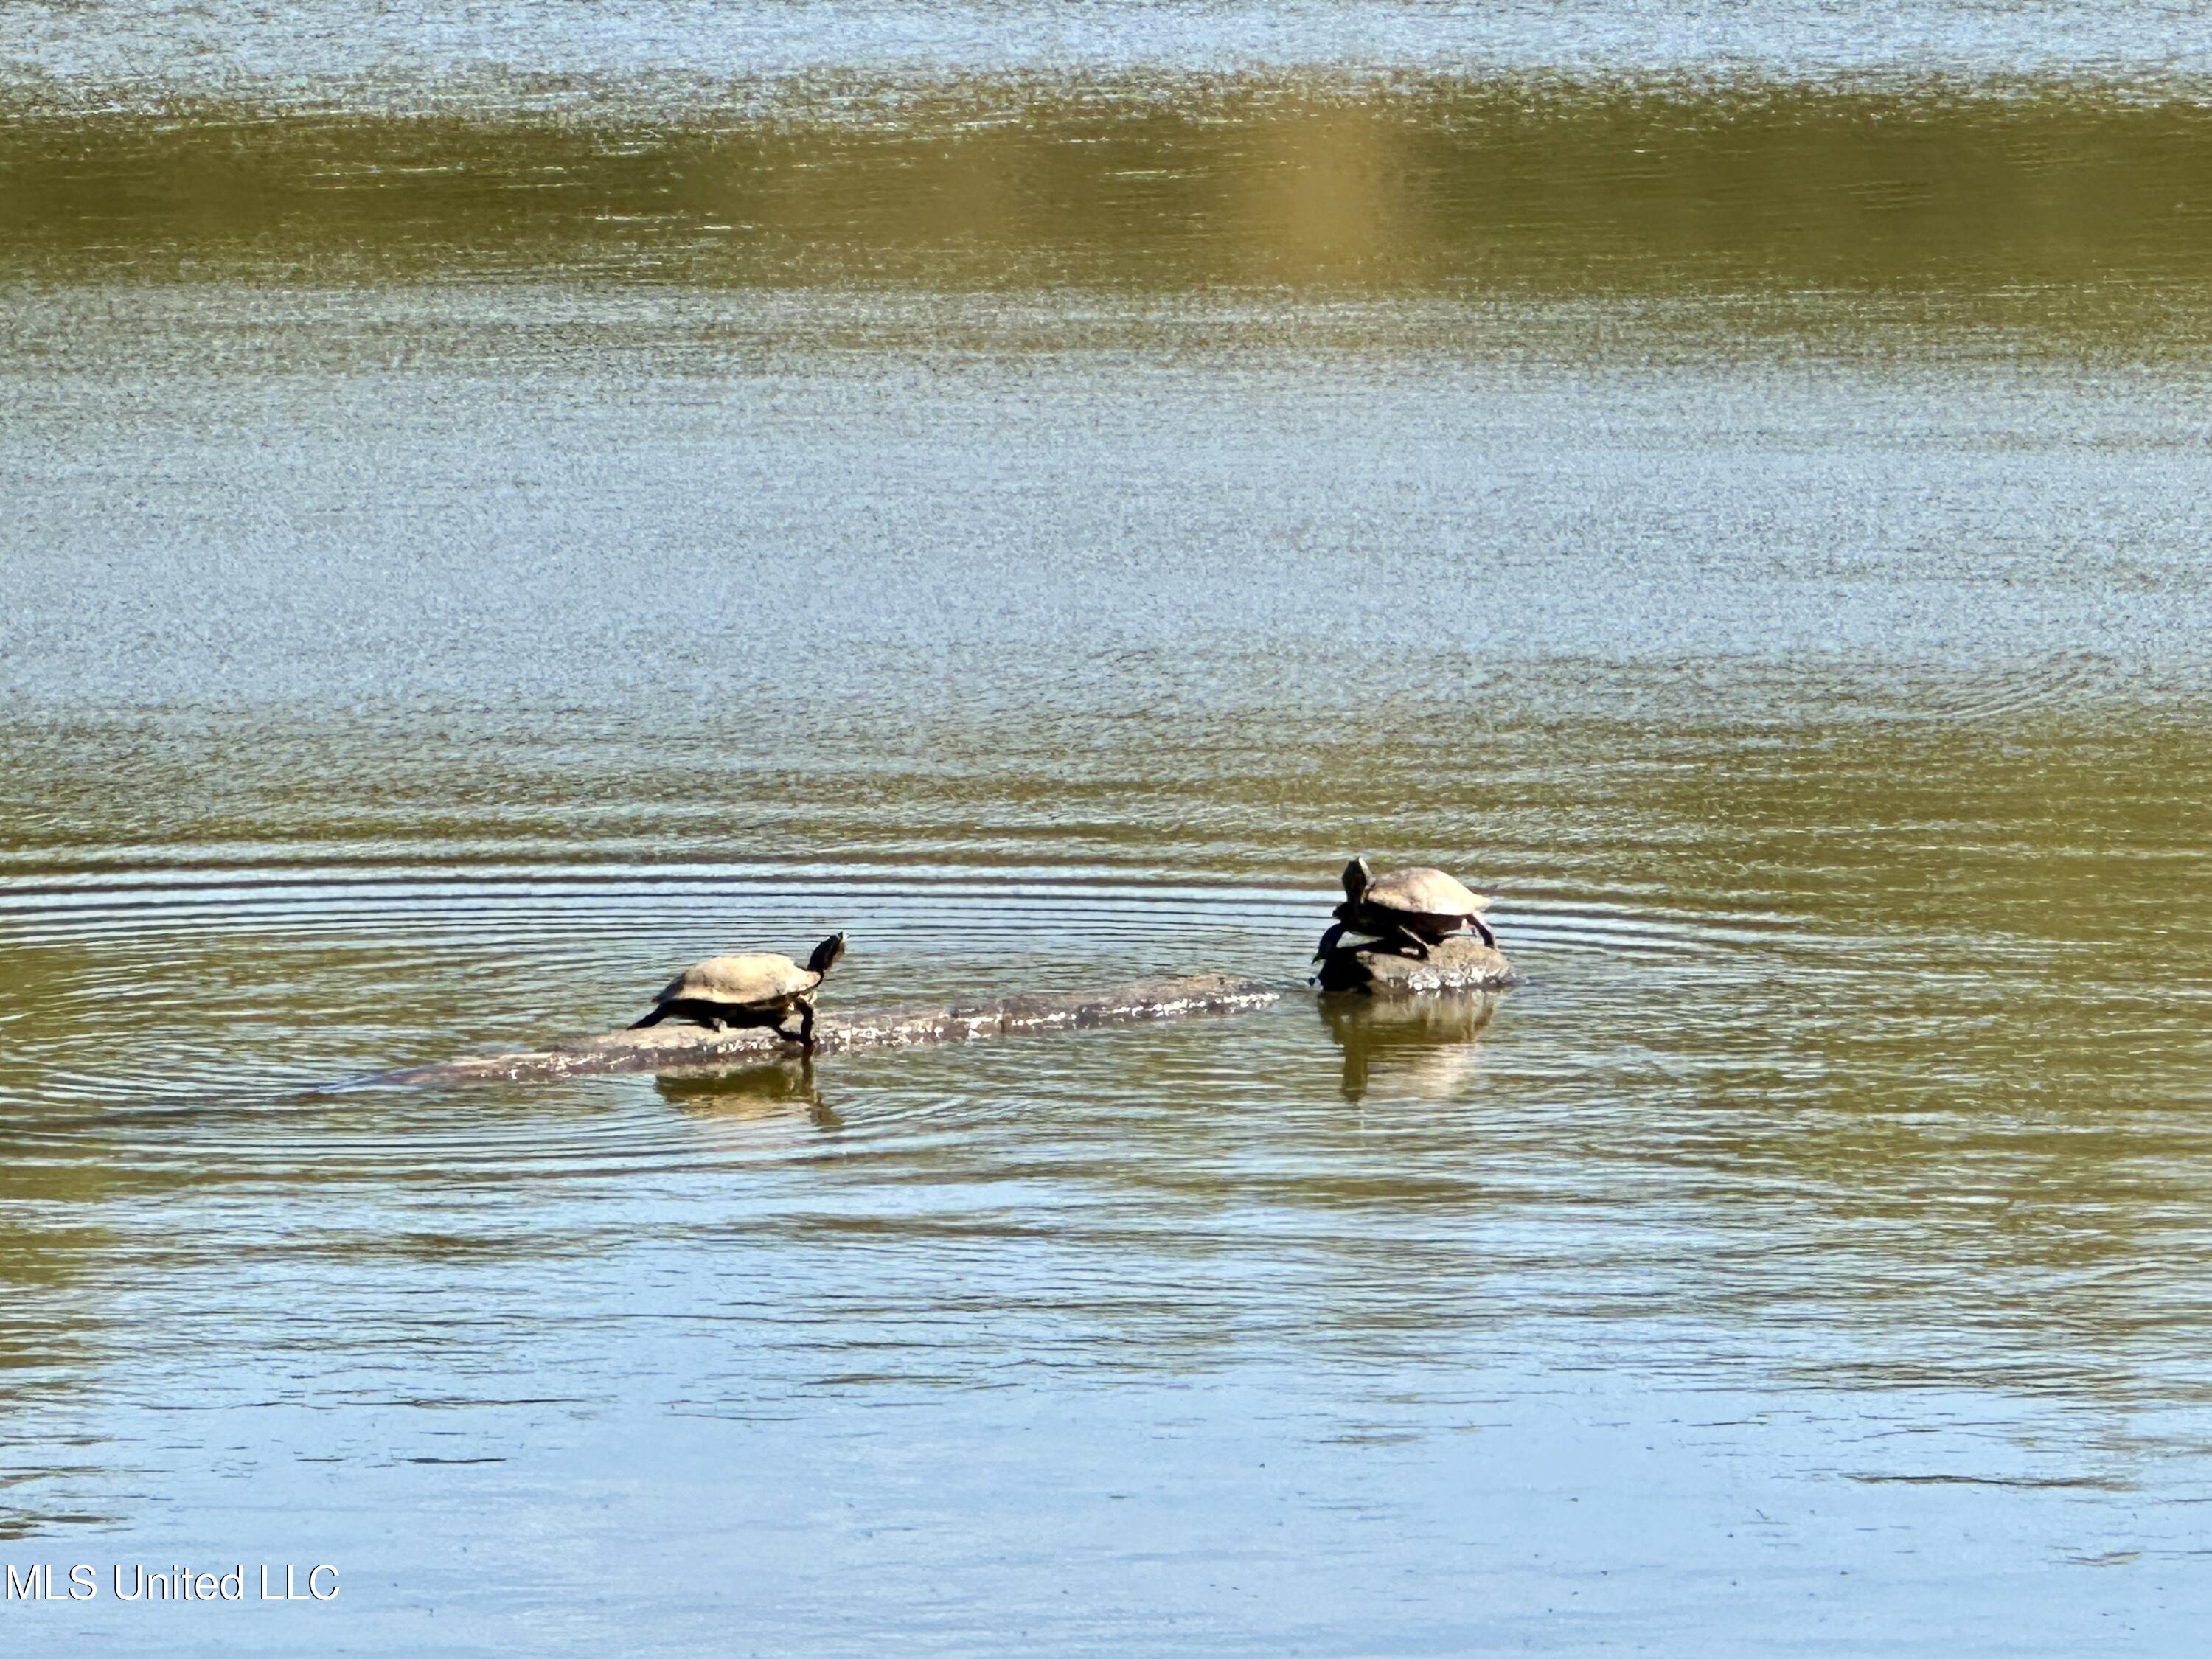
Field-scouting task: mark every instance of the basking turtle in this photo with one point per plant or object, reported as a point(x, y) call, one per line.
point(1405, 911)
point(750, 990)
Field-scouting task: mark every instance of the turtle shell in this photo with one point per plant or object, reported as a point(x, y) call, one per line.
point(1421, 891)
point(740, 980)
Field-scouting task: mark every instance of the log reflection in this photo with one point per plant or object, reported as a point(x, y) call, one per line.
point(768, 1090)
point(1426, 1045)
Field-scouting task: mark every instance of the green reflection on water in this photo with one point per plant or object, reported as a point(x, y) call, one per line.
point(2101, 206)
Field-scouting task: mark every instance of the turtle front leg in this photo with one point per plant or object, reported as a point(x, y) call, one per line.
point(1483, 933)
point(807, 1026)
point(1329, 942)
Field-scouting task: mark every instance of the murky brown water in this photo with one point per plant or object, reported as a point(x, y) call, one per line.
point(449, 582)
point(2089, 213)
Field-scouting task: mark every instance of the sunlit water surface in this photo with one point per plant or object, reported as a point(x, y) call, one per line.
point(425, 624)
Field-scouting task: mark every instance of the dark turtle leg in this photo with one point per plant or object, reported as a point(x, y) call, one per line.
point(1328, 941)
point(1483, 933)
point(806, 1025)
point(1402, 941)
point(699, 1014)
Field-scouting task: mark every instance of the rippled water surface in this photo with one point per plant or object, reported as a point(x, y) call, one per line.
point(1037, 489)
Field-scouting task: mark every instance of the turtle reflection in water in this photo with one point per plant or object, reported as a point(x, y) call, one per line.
point(761, 990)
point(1428, 1043)
point(1405, 911)
point(770, 1090)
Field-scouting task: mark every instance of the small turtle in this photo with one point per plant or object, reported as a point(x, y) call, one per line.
point(750, 990)
point(1405, 911)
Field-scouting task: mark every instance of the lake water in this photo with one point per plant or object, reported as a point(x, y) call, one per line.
point(505, 503)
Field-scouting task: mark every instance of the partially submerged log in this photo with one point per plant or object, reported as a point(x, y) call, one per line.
point(1459, 963)
point(678, 1048)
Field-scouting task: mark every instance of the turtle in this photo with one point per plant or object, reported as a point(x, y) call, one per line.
point(1405, 911)
point(748, 990)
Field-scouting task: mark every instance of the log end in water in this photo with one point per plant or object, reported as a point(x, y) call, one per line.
point(1453, 964)
point(694, 1049)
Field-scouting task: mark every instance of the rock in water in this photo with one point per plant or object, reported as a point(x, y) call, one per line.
point(1453, 964)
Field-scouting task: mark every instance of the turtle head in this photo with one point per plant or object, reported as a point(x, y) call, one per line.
point(825, 955)
point(1357, 879)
